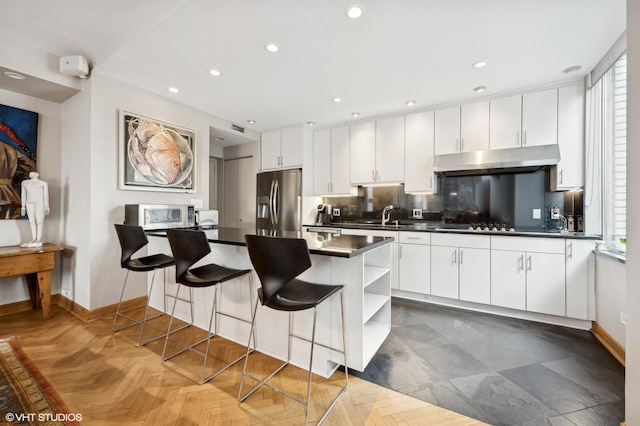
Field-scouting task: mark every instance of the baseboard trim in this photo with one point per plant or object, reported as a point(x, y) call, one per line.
point(87, 315)
point(612, 345)
point(23, 306)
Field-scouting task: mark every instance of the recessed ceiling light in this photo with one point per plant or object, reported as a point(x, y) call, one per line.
point(215, 73)
point(479, 89)
point(571, 69)
point(311, 123)
point(15, 75)
point(337, 100)
point(272, 47)
point(480, 64)
point(355, 114)
point(410, 103)
point(354, 11)
point(173, 89)
point(251, 121)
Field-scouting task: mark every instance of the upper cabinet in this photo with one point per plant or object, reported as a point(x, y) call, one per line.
point(569, 173)
point(524, 120)
point(331, 162)
point(462, 128)
point(377, 151)
point(418, 147)
point(283, 148)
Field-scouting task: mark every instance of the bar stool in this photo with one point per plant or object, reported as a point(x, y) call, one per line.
point(278, 261)
point(188, 247)
point(132, 238)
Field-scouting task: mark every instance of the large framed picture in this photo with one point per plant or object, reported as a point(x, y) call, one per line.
point(155, 155)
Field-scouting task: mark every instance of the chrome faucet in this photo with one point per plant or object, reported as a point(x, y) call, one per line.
point(386, 216)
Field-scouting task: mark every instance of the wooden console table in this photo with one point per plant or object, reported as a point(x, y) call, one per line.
point(36, 265)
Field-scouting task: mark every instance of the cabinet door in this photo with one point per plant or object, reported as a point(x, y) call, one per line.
point(444, 271)
point(545, 283)
point(362, 152)
point(540, 118)
point(580, 277)
point(447, 130)
point(508, 279)
point(418, 145)
point(475, 274)
point(504, 122)
point(292, 147)
point(271, 150)
point(413, 268)
point(390, 149)
point(474, 127)
point(321, 162)
point(340, 161)
point(569, 173)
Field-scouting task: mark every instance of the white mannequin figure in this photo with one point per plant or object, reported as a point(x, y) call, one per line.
point(35, 202)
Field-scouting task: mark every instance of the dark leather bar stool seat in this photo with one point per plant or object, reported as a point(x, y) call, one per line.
point(278, 262)
point(132, 238)
point(189, 247)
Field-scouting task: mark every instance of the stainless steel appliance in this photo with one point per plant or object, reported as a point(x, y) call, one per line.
point(207, 218)
point(323, 214)
point(279, 200)
point(160, 216)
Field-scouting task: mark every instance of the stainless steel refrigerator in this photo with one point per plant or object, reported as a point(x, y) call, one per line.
point(279, 201)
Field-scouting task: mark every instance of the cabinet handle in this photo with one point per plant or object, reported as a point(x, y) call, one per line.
point(431, 182)
point(570, 256)
point(461, 144)
point(517, 137)
point(373, 175)
point(454, 256)
point(561, 175)
point(399, 250)
point(529, 263)
point(521, 262)
point(457, 144)
point(461, 256)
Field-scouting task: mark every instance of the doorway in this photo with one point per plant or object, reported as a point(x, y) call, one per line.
point(239, 192)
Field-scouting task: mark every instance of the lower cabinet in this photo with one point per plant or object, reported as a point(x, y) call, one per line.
point(529, 274)
point(414, 262)
point(460, 267)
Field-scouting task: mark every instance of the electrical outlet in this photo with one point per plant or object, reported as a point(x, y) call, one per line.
point(196, 202)
point(555, 213)
point(417, 213)
point(623, 318)
point(537, 213)
point(66, 293)
point(336, 212)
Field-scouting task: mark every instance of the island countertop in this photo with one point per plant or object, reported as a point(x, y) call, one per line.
point(320, 243)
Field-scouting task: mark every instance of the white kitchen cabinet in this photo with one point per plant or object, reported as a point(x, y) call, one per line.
point(362, 152)
point(414, 254)
point(462, 128)
point(447, 130)
point(283, 148)
point(580, 278)
point(540, 118)
point(524, 120)
point(505, 122)
point(418, 146)
point(474, 127)
point(331, 162)
point(460, 267)
point(568, 174)
point(377, 151)
point(528, 274)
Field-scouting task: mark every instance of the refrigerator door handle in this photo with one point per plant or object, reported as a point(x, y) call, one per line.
point(271, 198)
point(275, 202)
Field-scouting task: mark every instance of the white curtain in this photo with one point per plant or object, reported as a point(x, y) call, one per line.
point(593, 160)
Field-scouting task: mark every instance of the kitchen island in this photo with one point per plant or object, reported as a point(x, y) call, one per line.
point(361, 263)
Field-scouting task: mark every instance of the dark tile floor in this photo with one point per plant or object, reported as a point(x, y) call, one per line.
point(502, 371)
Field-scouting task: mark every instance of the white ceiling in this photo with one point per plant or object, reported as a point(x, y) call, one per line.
point(398, 50)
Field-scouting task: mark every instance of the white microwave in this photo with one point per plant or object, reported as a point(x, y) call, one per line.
point(160, 216)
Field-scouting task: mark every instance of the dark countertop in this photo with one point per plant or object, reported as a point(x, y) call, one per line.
point(321, 243)
point(422, 227)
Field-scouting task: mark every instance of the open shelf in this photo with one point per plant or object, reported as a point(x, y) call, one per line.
point(374, 334)
point(372, 273)
point(372, 304)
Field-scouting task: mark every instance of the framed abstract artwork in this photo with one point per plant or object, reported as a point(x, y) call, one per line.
point(18, 156)
point(155, 155)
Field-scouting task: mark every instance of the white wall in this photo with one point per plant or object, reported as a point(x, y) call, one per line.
point(632, 372)
point(15, 232)
point(611, 294)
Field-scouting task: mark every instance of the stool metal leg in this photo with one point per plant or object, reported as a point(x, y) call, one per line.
point(135, 321)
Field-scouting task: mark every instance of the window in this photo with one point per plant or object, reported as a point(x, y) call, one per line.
point(614, 140)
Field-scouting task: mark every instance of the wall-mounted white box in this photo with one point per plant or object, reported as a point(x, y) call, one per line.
point(537, 213)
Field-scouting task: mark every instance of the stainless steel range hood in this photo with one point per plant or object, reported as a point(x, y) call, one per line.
point(498, 161)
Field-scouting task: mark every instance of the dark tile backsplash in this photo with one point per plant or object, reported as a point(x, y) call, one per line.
point(507, 199)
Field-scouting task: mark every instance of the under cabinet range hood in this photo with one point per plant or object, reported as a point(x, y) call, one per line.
point(497, 160)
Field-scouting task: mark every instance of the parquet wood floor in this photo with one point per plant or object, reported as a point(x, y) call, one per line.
point(110, 380)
